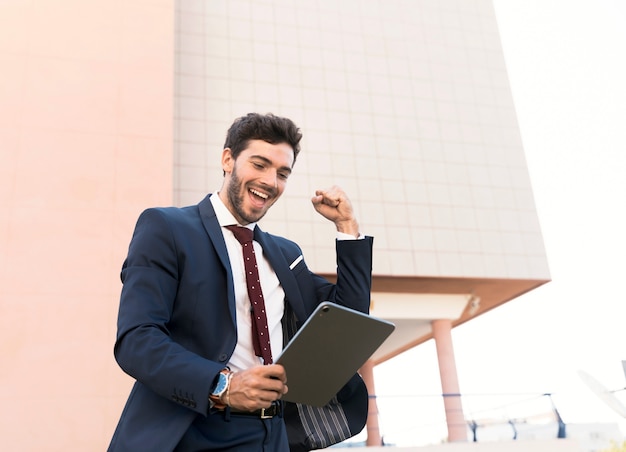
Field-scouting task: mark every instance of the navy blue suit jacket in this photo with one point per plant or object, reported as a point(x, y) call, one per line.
point(177, 326)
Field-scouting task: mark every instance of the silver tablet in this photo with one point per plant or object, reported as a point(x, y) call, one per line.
point(327, 351)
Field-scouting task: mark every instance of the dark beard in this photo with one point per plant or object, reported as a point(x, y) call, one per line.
point(235, 194)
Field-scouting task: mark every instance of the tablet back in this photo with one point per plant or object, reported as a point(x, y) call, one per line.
point(328, 350)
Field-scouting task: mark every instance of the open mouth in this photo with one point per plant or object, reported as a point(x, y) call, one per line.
point(258, 198)
point(259, 194)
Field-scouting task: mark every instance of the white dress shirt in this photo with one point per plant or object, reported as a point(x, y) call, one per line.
point(273, 294)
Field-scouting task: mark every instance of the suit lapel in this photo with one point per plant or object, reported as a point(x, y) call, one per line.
point(272, 251)
point(216, 237)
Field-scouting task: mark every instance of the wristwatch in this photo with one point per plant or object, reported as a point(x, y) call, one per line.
point(223, 380)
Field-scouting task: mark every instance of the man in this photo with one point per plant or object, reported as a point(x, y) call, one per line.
point(185, 329)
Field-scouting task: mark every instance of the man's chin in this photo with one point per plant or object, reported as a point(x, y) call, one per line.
point(254, 213)
point(254, 216)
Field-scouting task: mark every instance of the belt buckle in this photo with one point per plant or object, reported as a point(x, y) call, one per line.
point(266, 416)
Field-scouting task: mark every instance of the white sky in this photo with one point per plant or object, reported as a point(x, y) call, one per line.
point(567, 68)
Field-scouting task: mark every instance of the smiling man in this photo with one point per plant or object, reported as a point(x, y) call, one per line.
point(209, 299)
point(254, 182)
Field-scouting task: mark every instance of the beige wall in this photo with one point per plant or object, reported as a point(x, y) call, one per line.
point(85, 144)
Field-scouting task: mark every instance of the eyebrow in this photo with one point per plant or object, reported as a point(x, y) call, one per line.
point(269, 162)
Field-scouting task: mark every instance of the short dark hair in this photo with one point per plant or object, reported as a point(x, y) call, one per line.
point(267, 127)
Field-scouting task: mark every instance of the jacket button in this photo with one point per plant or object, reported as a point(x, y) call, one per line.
point(223, 357)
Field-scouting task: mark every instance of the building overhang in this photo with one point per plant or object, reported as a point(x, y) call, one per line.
point(412, 303)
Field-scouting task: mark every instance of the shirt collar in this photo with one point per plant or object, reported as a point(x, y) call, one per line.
point(224, 217)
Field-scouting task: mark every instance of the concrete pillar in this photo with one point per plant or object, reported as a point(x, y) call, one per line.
point(373, 431)
point(457, 429)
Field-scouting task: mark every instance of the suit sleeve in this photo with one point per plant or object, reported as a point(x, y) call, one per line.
point(354, 275)
point(144, 347)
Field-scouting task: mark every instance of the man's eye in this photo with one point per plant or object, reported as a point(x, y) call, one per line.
point(283, 176)
point(257, 165)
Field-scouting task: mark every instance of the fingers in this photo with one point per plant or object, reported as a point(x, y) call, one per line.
point(334, 205)
point(257, 387)
point(276, 372)
point(331, 197)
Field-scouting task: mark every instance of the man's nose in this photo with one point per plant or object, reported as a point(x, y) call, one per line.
point(270, 178)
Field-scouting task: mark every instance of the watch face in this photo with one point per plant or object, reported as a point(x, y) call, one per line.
point(221, 384)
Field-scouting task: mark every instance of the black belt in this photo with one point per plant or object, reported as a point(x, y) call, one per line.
point(264, 413)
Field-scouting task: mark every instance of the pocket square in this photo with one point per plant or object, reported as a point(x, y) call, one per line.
point(294, 263)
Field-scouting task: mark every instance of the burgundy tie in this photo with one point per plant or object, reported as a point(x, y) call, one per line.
point(260, 332)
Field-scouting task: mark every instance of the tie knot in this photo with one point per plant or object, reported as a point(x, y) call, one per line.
point(243, 235)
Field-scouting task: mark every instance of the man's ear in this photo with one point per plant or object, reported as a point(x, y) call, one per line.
point(228, 162)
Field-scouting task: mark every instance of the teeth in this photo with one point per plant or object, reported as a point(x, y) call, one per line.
point(259, 194)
